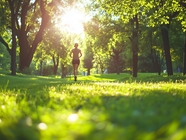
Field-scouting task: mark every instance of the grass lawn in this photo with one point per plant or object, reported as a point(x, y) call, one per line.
point(96, 107)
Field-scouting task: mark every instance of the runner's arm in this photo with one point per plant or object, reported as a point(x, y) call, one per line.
point(80, 54)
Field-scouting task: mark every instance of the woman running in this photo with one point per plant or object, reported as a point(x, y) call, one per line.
point(75, 54)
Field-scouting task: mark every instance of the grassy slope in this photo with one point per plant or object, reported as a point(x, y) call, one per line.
point(96, 107)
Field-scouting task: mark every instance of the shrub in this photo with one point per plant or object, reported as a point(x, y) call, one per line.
point(48, 70)
point(27, 71)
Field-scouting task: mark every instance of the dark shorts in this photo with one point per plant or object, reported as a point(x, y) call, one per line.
point(74, 61)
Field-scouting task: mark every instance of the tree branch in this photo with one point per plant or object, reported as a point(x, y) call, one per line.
point(183, 4)
point(5, 44)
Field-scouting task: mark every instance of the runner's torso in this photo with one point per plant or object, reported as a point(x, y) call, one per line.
point(76, 53)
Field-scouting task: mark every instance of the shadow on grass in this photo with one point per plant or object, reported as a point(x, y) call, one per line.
point(154, 114)
point(154, 78)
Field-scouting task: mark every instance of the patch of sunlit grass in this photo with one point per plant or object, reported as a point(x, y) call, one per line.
point(97, 108)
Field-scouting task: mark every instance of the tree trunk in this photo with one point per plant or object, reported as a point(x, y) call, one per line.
point(159, 69)
point(24, 52)
point(63, 71)
point(56, 64)
point(116, 59)
point(13, 55)
point(156, 61)
point(55, 69)
point(41, 68)
point(88, 71)
point(184, 57)
point(135, 25)
point(165, 36)
point(5, 44)
point(13, 50)
point(27, 49)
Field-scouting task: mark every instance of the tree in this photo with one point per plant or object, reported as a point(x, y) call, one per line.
point(151, 52)
point(116, 48)
point(28, 44)
point(184, 57)
point(166, 44)
point(13, 50)
point(64, 59)
point(163, 13)
point(4, 23)
point(157, 57)
point(53, 45)
point(182, 19)
point(98, 32)
point(4, 58)
point(147, 13)
point(40, 57)
point(89, 57)
point(134, 42)
point(127, 12)
point(108, 38)
point(30, 19)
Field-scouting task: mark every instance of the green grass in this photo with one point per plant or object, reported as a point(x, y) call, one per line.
point(97, 107)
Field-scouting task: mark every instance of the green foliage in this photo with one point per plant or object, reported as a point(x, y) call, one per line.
point(27, 71)
point(112, 16)
point(5, 16)
point(4, 58)
point(96, 107)
point(88, 56)
point(48, 70)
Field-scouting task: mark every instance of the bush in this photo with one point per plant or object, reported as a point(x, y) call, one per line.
point(27, 71)
point(47, 70)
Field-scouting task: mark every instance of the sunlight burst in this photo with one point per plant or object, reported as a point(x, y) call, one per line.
point(72, 21)
point(73, 118)
point(42, 126)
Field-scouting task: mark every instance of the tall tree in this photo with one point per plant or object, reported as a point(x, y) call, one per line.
point(184, 57)
point(13, 50)
point(25, 28)
point(30, 18)
point(151, 50)
point(98, 31)
point(5, 22)
point(53, 46)
point(4, 58)
point(116, 46)
point(151, 13)
point(166, 44)
point(163, 12)
point(88, 57)
point(134, 41)
point(127, 12)
point(182, 18)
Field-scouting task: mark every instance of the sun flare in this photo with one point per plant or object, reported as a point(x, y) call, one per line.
point(72, 21)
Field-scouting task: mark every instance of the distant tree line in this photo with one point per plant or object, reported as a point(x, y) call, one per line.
point(146, 36)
